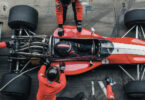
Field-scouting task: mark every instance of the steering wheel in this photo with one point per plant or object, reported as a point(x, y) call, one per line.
point(93, 48)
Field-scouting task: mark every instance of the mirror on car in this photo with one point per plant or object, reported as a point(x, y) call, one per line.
point(92, 29)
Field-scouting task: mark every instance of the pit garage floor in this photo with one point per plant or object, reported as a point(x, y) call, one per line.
point(106, 16)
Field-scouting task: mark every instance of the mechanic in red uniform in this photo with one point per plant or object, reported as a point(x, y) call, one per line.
point(6, 44)
point(61, 10)
point(51, 81)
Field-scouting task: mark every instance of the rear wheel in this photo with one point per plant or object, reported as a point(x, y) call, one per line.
point(20, 87)
point(23, 16)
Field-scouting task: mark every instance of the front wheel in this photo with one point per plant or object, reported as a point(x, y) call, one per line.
point(134, 17)
point(135, 89)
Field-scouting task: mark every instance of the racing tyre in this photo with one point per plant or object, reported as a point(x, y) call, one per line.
point(135, 89)
point(20, 87)
point(134, 17)
point(23, 16)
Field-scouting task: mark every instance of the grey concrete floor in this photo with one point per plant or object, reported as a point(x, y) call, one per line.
point(106, 16)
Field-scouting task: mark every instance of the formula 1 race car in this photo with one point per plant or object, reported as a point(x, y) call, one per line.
point(80, 51)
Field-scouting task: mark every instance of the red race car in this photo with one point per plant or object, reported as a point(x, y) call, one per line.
point(87, 50)
point(93, 50)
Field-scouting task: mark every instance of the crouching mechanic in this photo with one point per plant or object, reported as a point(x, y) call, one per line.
point(51, 81)
point(61, 11)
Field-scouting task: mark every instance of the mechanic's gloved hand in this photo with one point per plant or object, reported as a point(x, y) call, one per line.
point(10, 44)
point(60, 30)
point(47, 63)
point(108, 80)
point(79, 26)
point(62, 67)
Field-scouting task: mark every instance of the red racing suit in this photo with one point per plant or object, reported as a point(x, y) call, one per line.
point(3, 44)
point(47, 90)
point(77, 7)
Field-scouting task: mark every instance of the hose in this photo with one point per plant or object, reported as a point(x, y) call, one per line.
point(18, 77)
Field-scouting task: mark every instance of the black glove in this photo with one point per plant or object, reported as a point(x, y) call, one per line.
point(62, 67)
point(10, 44)
point(60, 30)
point(47, 63)
point(108, 80)
point(79, 26)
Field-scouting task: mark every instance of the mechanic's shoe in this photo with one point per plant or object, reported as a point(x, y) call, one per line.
point(60, 32)
point(79, 26)
point(79, 96)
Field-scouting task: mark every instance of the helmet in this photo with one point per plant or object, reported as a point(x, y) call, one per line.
point(63, 48)
point(52, 73)
point(65, 2)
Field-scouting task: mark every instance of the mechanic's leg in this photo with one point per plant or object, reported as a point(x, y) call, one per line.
point(74, 10)
point(78, 23)
point(64, 14)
